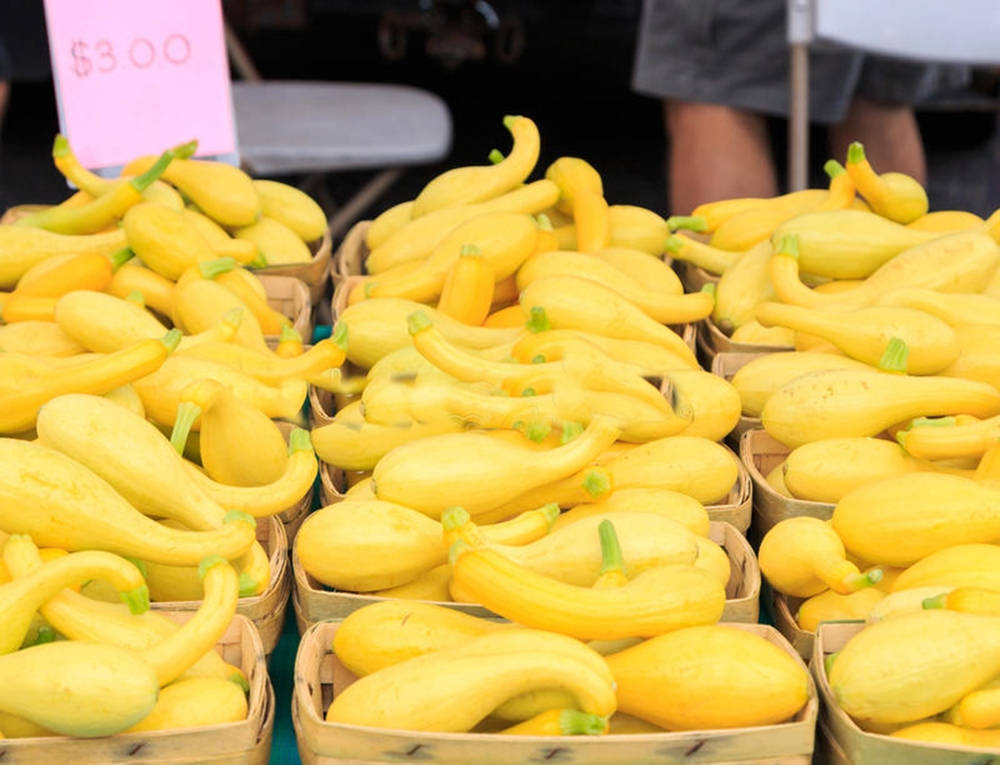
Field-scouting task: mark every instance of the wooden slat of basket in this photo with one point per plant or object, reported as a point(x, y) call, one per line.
point(735, 509)
point(323, 404)
point(712, 341)
point(313, 274)
point(349, 259)
point(290, 297)
point(725, 365)
point(692, 277)
point(784, 609)
point(743, 590)
point(319, 676)
point(264, 610)
point(246, 742)
point(860, 747)
point(314, 603)
point(760, 454)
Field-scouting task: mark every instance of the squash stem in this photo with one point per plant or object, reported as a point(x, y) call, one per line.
point(495, 156)
point(789, 245)
point(855, 582)
point(549, 512)
point(187, 413)
point(418, 321)
point(60, 147)
point(186, 150)
point(689, 222)
point(538, 322)
point(172, 339)
point(896, 356)
point(209, 269)
point(454, 518)
point(137, 600)
point(833, 168)
point(674, 244)
point(141, 182)
point(855, 153)
point(597, 483)
point(543, 222)
point(208, 562)
point(611, 549)
point(120, 257)
point(136, 296)
point(299, 441)
point(573, 722)
point(938, 601)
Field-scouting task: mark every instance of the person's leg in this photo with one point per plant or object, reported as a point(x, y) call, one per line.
point(716, 152)
point(888, 131)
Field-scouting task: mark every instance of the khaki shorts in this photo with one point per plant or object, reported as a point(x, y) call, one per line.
point(735, 53)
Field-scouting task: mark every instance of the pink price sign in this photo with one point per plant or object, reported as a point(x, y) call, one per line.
point(135, 78)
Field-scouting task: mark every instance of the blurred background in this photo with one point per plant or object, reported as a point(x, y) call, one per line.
point(568, 64)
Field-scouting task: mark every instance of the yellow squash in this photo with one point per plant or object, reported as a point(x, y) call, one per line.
point(352, 443)
point(238, 444)
point(79, 617)
point(130, 454)
point(759, 379)
point(934, 438)
point(194, 703)
point(102, 689)
point(746, 229)
point(573, 553)
point(26, 390)
point(956, 309)
point(39, 338)
point(482, 472)
point(467, 292)
point(895, 196)
point(291, 207)
point(294, 482)
point(161, 392)
point(707, 678)
point(640, 267)
point(961, 262)
point(901, 520)
point(873, 334)
point(467, 185)
point(829, 606)
point(416, 239)
point(687, 464)
point(825, 470)
point(802, 556)
point(21, 248)
point(960, 565)
point(664, 308)
point(276, 242)
point(453, 690)
point(946, 221)
point(221, 191)
point(657, 600)
point(164, 239)
point(74, 509)
point(504, 239)
point(391, 631)
point(22, 597)
point(670, 504)
point(568, 302)
point(846, 402)
point(377, 327)
point(915, 665)
point(387, 223)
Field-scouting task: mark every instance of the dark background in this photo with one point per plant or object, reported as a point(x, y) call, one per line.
point(567, 64)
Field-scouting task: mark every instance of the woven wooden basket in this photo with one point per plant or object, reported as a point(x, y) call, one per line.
point(760, 454)
point(290, 297)
point(313, 274)
point(350, 257)
point(267, 610)
point(247, 742)
point(314, 603)
point(847, 744)
point(319, 676)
